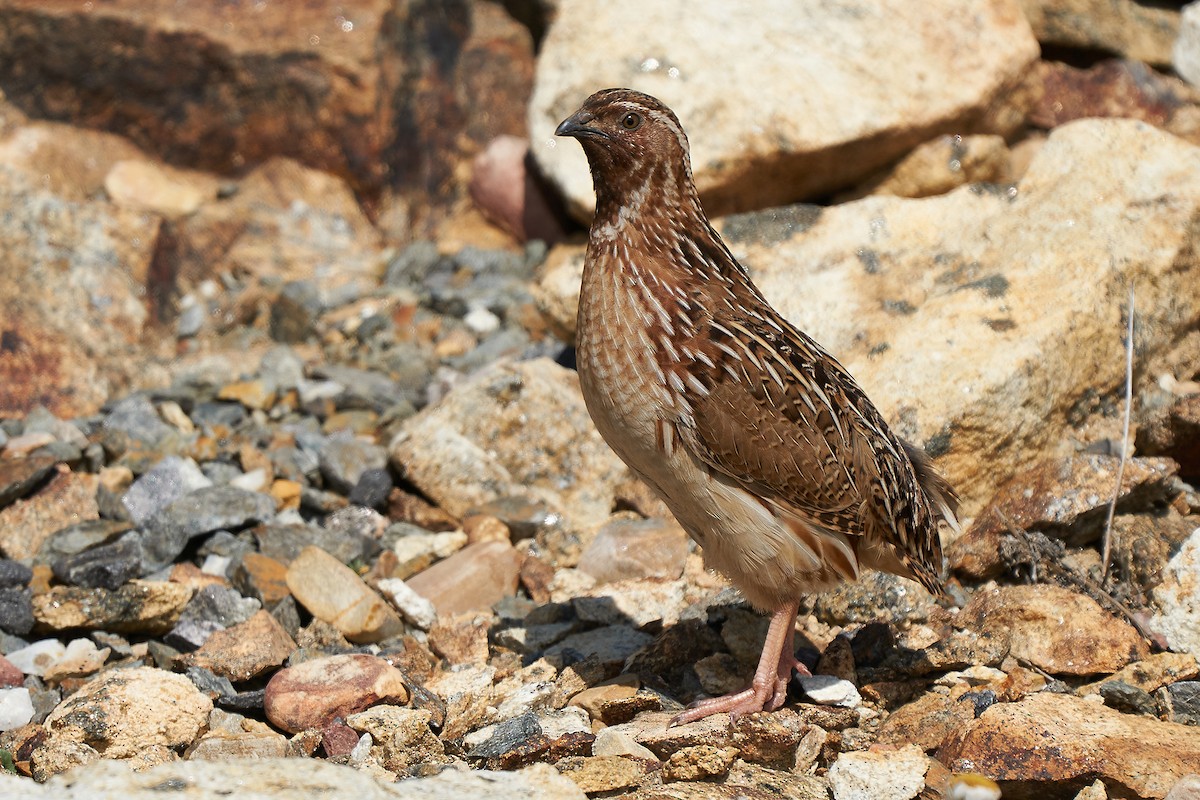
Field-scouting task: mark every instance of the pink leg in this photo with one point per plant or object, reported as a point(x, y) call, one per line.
point(768, 690)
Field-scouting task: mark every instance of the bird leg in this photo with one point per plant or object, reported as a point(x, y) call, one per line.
point(768, 690)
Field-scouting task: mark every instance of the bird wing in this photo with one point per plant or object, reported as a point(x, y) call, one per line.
point(774, 415)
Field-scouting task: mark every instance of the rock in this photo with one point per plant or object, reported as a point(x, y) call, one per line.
point(415, 609)
point(509, 194)
point(1177, 599)
point(16, 708)
point(1129, 699)
point(283, 542)
point(165, 482)
point(1111, 88)
point(699, 763)
point(605, 774)
point(67, 498)
point(879, 775)
point(475, 445)
point(1029, 324)
point(244, 651)
point(133, 424)
point(158, 189)
point(1183, 702)
point(612, 644)
point(874, 596)
point(1174, 431)
point(332, 592)
point(123, 712)
point(16, 611)
point(470, 580)
point(151, 607)
point(10, 675)
point(81, 659)
point(1056, 740)
point(198, 512)
point(314, 693)
point(742, 163)
point(1067, 498)
point(827, 690)
point(1054, 629)
point(36, 658)
point(467, 692)
point(416, 549)
point(232, 736)
point(339, 91)
point(1125, 27)
point(344, 460)
point(305, 779)
point(626, 549)
point(403, 736)
point(262, 578)
point(1152, 672)
point(926, 721)
point(1185, 56)
point(19, 476)
point(71, 324)
point(106, 567)
point(75, 540)
point(945, 163)
point(1188, 788)
point(638, 603)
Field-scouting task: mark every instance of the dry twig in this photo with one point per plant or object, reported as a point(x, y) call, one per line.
point(1106, 555)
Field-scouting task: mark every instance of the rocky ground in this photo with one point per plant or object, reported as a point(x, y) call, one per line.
point(298, 493)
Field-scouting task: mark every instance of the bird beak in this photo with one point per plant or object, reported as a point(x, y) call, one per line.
point(577, 125)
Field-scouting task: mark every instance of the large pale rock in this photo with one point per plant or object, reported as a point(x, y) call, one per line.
point(514, 429)
point(1054, 629)
point(1048, 745)
point(1129, 28)
point(1178, 599)
point(836, 93)
point(72, 279)
point(1185, 55)
point(304, 779)
point(123, 712)
point(332, 592)
point(883, 775)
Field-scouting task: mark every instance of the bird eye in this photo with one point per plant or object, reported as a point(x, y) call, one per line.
point(631, 121)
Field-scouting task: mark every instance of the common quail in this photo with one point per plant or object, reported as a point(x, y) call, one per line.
point(762, 445)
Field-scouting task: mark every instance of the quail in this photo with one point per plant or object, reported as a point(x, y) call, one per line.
point(762, 445)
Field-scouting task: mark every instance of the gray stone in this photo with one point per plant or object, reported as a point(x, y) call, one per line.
point(507, 736)
point(16, 611)
point(373, 487)
point(343, 461)
point(612, 644)
point(202, 511)
point(294, 312)
point(284, 542)
point(14, 574)
point(106, 566)
point(165, 482)
point(78, 538)
point(1128, 698)
point(211, 609)
point(1183, 702)
point(135, 420)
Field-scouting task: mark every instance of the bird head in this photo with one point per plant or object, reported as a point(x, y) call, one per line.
point(632, 141)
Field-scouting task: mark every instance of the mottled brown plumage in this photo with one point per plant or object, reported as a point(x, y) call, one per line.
point(760, 442)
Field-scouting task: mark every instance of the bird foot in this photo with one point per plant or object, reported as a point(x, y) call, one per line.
point(761, 695)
